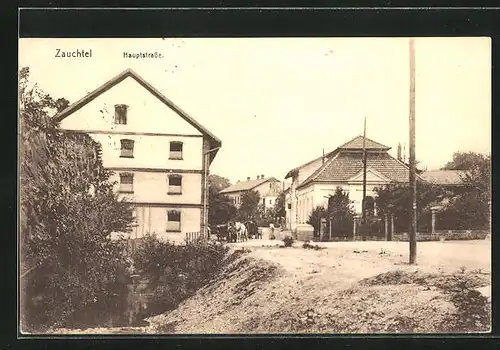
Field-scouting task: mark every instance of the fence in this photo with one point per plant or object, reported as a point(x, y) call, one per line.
point(448, 235)
point(193, 237)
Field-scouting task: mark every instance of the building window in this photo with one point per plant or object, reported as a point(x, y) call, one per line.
point(175, 150)
point(270, 202)
point(174, 221)
point(289, 206)
point(174, 184)
point(121, 114)
point(126, 183)
point(127, 148)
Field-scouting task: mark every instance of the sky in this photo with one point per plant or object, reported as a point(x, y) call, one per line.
point(276, 103)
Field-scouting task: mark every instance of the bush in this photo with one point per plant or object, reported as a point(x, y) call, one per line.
point(315, 219)
point(175, 272)
point(69, 264)
point(288, 241)
point(308, 245)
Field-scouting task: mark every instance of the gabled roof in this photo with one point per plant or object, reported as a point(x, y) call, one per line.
point(274, 191)
point(359, 175)
point(357, 144)
point(444, 177)
point(248, 185)
point(214, 141)
point(346, 165)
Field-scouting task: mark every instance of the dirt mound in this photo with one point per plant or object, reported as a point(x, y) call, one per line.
point(447, 281)
point(472, 310)
point(258, 296)
point(214, 307)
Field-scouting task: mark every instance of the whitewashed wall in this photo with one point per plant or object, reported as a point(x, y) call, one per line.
point(146, 113)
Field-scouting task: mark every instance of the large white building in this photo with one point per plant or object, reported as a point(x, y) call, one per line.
point(314, 181)
point(159, 154)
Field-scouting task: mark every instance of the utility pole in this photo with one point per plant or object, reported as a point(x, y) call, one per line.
point(363, 202)
point(412, 177)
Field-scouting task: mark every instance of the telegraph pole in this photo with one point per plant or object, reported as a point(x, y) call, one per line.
point(363, 202)
point(412, 177)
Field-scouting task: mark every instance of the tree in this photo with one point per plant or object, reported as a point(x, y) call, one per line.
point(341, 213)
point(470, 209)
point(394, 198)
point(218, 182)
point(68, 211)
point(249, 208)
point(315, 217)
point(221, 209)
point(279, 206)
point(465, 161)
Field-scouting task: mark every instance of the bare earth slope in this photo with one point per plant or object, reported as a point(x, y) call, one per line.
point(350, 287)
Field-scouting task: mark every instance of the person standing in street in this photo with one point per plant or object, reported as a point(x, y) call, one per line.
point(271, 229)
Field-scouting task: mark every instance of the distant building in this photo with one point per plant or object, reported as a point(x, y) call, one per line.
point(158, 153)
point(314, 181)
point(444, 177)
point(269, 189)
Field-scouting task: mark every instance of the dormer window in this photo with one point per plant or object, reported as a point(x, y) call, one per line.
point(127, 148)
point(175, 150)
point(121, 114)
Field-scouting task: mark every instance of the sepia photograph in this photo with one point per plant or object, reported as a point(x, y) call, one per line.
point(333, 185)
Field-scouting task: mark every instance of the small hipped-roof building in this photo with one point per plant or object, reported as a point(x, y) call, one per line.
point(315, 181)
point(444, 177)
point(269, 189)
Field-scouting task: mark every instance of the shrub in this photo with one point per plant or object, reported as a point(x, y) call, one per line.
point(69, 264)
point(315, 219)
point(308, 245)
point(175, 272)
point(288, 241)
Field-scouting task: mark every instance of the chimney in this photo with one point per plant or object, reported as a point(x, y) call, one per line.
point(399, 151)
point(248, 178)
point(257, 177)
point(262, 176)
